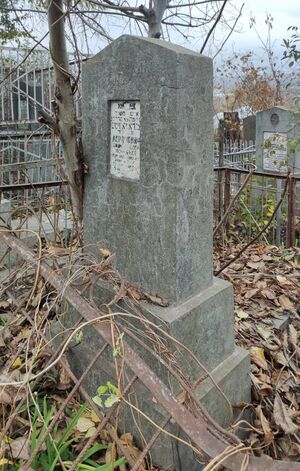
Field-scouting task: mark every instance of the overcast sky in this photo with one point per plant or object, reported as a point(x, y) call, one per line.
point(285, 13)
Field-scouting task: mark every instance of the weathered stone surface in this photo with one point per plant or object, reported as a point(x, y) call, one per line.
point(203, 324)
point(231, 375)
point(147, 134)
point(160, 226)
point(286, 124)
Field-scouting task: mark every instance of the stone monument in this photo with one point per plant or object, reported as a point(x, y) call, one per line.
point(249, 128)
point(147, 135)
point(278, 140)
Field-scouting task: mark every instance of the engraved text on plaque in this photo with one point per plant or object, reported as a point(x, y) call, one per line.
point(125, 139)
point(275, 152)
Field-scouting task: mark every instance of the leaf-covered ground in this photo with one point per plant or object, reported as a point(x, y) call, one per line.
point(267, 323)
point(266, 284)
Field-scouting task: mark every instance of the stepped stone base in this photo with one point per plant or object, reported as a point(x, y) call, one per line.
point(204, 324)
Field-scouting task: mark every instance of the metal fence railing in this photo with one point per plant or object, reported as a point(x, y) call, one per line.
point(255, 205)
point(234, 154)
point(27, 83)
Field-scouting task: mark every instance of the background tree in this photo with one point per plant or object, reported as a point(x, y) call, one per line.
point(254, 81)
point(9, 25)
point(77, 21)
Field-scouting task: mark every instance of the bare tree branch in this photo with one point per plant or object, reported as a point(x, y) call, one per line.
point(214, 26)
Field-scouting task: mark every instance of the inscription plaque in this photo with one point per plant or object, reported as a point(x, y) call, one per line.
point(275, 151)
point(125, 139)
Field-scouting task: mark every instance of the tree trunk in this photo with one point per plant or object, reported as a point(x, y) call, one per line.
point(155, 18)
point(66, 113)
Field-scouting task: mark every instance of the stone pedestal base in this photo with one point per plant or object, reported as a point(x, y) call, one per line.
point(204, 324)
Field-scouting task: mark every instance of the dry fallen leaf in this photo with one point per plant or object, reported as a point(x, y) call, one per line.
point(255, 265)
point(57, 251)
point(282, 417)
point(268, 293)
point(241, 314)
point(265, 425)
point(293, 336)
point(105, 253)
point(286, 303)
point(258, 357)
point(2, 343)
point(5, 304)
point(251, 293)
point(19, 448)
point(84, 424)
point(5, 398)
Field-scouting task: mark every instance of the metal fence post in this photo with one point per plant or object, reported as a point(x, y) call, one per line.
point(227, 188)
point(291, 212)
point(220, 173)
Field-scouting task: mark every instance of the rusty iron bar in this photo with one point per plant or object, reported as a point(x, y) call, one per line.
point(195, 428)
point(78, 386)
point(198, 408)
point(258, 173)
point(27, 165)
point(291, 212)
point(29, 186)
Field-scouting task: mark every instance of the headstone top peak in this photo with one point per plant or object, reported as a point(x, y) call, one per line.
point(129, 39)
point(282, 109)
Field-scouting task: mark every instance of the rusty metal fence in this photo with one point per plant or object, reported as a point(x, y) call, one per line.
point(254, 205)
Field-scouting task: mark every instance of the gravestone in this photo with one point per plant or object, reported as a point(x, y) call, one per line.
point(249, 128)
point(278, 140)
point(149, 188)
point(147, 136)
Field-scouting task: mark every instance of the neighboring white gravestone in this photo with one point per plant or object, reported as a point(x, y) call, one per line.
point(275, 152)
point(277, 136)
point(125, 139)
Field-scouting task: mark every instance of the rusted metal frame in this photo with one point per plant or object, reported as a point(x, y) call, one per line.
point(258, 173)
point(78, 386)
point(291, 212)
point(32, 186)
point(212, 425)
point(195, 428)
point(26, 165)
